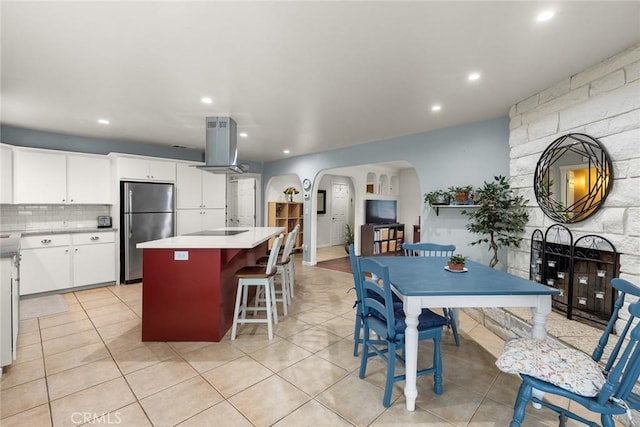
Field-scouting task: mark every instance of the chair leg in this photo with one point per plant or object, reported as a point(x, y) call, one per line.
point(292, 275)
point(284, 286)
point(452, 322)
point(356, 336)
point(437, 364)
point(391, 368)
point(257, 300)
point(607, 420)
point(245, 298)
point(365, 351)
point(524, 395)
point(236, 311)
point(269, 311)
point(274, 307)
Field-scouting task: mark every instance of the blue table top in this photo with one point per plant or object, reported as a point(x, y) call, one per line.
point(426, 276)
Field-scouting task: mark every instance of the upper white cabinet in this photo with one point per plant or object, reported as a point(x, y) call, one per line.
point(6, 175)
point(197, 189)
point(88, 180)
point(42, 176)
point(146, 169)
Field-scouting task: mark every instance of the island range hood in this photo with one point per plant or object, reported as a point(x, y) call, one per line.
point(221, 149)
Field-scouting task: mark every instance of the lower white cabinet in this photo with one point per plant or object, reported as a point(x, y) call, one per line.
point(9, 308)
point(194, 220)
point(94, 258)
point(60, 261)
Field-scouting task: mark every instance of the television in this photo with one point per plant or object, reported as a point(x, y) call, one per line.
point(381, 211)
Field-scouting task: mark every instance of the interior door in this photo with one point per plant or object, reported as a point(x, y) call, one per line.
point(339, 203)
point(232, 203)
point(246, 213)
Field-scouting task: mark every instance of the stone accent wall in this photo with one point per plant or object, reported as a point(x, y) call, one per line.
point(602, 101)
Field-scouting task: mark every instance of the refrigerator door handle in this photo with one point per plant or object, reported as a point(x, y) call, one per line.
point(130, 213)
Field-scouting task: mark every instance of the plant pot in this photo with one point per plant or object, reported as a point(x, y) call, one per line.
point(461, 197)
point(457, 267)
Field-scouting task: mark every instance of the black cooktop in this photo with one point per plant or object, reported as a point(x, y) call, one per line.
point(217, 233)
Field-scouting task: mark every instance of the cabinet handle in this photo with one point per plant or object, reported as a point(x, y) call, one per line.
point(76, 250)
point(71, 201)
point(95, 238)
point(45, 241)
point(66, 251)
point(64, 200)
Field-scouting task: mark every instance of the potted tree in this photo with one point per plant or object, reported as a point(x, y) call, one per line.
point(500, 217)
point(437, 197)
point(348, 236)
point(456, 262)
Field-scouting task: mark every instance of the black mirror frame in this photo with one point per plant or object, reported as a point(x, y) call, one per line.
point(322, 201)
point(586, 146)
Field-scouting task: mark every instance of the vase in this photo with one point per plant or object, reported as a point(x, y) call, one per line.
point(290, 198)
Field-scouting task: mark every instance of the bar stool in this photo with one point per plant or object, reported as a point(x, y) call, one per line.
point(284, 265)
point(261, 276)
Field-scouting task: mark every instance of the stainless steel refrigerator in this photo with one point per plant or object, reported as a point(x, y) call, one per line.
point(147, 213)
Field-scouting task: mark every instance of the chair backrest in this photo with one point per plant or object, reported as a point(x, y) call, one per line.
point(273, 255)
point(288, 245)
point(625, 371)
point(427, 249)
point(623, 287)
point(377, 302)
point(356, 283)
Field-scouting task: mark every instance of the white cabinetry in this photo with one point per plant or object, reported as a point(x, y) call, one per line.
point(6, 175)
point(197, 189)
point(9, 309)
point(201, 199)
point(94, 258)
point(46, 263)
point(194, 220)
point(60, 261)
point(146, 169)
point(47, 177)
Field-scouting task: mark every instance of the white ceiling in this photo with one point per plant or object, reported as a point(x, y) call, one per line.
point(307, 76)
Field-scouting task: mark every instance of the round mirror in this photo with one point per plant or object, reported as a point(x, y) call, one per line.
point(572, 178)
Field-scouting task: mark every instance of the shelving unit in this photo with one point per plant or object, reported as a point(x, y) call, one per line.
point(287, 215)
point(437, 207)
point(385, 239)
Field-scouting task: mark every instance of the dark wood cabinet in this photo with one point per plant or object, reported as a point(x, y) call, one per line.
point(381, 239)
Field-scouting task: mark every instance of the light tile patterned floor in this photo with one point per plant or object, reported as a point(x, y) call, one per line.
point(88, 365)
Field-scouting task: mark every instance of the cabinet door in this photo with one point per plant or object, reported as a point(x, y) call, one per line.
point(39, 177)
point(132, 168)
point(6, 175)
point(189, 221)
point(94, 264)
point(89, 180)
point(214, 190)
point(213, 218)
point(162, 171)
point(188, 187)
point(45, 269)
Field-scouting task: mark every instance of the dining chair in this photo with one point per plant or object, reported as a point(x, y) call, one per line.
point(436, 250)
point(387, 321)
point(605, 389)
point(357, 340)
point(261, 276)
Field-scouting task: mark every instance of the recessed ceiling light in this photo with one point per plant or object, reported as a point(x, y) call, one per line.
point(473, 77)
point(243, 134)
point(545, 16)
point(103, 121)
point(286, 151)
point(206, 100)
point(436, 107)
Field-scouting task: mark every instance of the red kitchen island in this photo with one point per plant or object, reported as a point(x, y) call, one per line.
point(188, 283)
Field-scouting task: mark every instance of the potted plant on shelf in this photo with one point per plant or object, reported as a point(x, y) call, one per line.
point(348, 237)
point(500, 217)
point(456, 262)
point(437, 197)
point(290, 192)
point(461, 194)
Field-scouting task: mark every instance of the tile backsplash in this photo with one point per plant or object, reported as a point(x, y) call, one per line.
point(50, 217)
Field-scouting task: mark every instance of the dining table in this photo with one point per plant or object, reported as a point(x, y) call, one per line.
point(426, 282)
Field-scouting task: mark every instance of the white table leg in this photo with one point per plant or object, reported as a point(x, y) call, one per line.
point(412, 310)
point(539, 331)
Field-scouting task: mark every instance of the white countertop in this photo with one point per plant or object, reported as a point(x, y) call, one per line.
point(249, 239)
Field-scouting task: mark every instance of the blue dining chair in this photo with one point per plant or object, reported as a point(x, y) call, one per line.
point(435, 250)
point(603, 389)
point(357, 340)
point(387, 320)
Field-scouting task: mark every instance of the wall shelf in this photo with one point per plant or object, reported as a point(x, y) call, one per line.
point(438, 207)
